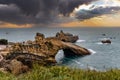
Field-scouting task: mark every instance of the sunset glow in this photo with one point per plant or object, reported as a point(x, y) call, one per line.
point(73, 13)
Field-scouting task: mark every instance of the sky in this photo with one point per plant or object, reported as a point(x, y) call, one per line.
point(59, 13)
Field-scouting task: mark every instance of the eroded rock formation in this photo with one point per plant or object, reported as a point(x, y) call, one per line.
point(42, 50)
point(66, 37)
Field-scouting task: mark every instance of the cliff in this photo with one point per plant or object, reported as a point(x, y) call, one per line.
point(42, 50)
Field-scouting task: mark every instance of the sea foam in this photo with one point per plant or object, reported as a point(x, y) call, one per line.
point(92, 51)
point(80, 41)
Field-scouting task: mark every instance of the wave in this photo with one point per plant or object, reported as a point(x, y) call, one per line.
point(92, 68)
point(80, 41)
point(99, 43)
point(59, 56)
point(77, 62)
point(92, 51)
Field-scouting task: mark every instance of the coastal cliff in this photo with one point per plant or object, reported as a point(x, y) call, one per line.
point(42, 50)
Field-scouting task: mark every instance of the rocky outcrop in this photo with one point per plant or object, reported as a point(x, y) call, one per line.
point(42, 51)
point(3, 42)
point(106, 41)
point(13, 66)
point(70, 49)
point(66, 37)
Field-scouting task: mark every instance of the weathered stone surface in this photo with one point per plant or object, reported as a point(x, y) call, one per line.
point(70, 49)
point(13, 66)
point(17, 67)
point(42, 50)
point(48, 48)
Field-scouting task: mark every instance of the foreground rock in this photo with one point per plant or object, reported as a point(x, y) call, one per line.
point(42, 51)
point(13, 66)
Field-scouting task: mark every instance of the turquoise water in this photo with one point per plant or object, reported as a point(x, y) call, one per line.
point(104, 57)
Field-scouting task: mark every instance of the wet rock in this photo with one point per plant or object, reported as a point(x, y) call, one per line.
point(106, 41)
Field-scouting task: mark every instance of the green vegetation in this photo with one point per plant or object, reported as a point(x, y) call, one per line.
point(62, 73)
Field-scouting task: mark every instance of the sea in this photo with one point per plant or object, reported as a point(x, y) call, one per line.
point(104, 56)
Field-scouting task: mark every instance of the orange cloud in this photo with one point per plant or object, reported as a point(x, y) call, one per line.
point(102, 21)
point(10, 25)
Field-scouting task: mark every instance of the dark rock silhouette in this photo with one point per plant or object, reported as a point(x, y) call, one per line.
point(66, 37)
point(3, 42)
point(106, 41)
point(104, 34)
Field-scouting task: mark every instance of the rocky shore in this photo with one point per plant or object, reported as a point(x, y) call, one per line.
point(19, 57)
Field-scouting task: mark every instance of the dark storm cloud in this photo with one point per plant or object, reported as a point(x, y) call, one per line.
point(67, 6)
point(36, 11)
point(12, 14)
point(87, 14)
point(27, 6)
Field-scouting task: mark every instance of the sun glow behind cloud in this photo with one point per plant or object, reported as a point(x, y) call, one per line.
point(73, 13)
point(97, 4)
point(102, 21)
point(110, 19)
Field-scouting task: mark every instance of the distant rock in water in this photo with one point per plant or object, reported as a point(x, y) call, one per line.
point(66, 37)
point(106, 41)
point(104, 34)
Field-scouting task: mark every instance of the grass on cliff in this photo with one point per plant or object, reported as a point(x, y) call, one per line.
point(63, 73)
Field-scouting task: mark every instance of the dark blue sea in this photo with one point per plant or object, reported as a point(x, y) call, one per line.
point(103, 57)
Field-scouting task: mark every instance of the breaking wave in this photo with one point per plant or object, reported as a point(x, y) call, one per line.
point(80, 41)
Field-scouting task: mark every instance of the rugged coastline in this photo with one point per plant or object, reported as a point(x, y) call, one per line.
point(42, 51)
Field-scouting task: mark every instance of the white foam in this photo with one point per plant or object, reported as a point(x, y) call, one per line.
point(77, 62)
point(100, 43)
point(92, 51)
point(59, 56)
point(80, 41)
point(92, 68)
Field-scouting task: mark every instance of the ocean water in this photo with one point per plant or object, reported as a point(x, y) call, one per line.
point(103, 57)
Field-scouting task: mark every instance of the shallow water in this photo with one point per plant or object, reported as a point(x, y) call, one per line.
point(106, 56)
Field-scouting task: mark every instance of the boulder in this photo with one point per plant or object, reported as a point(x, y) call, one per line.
point(13, 66)
point(106, 41)
point(17, 67)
